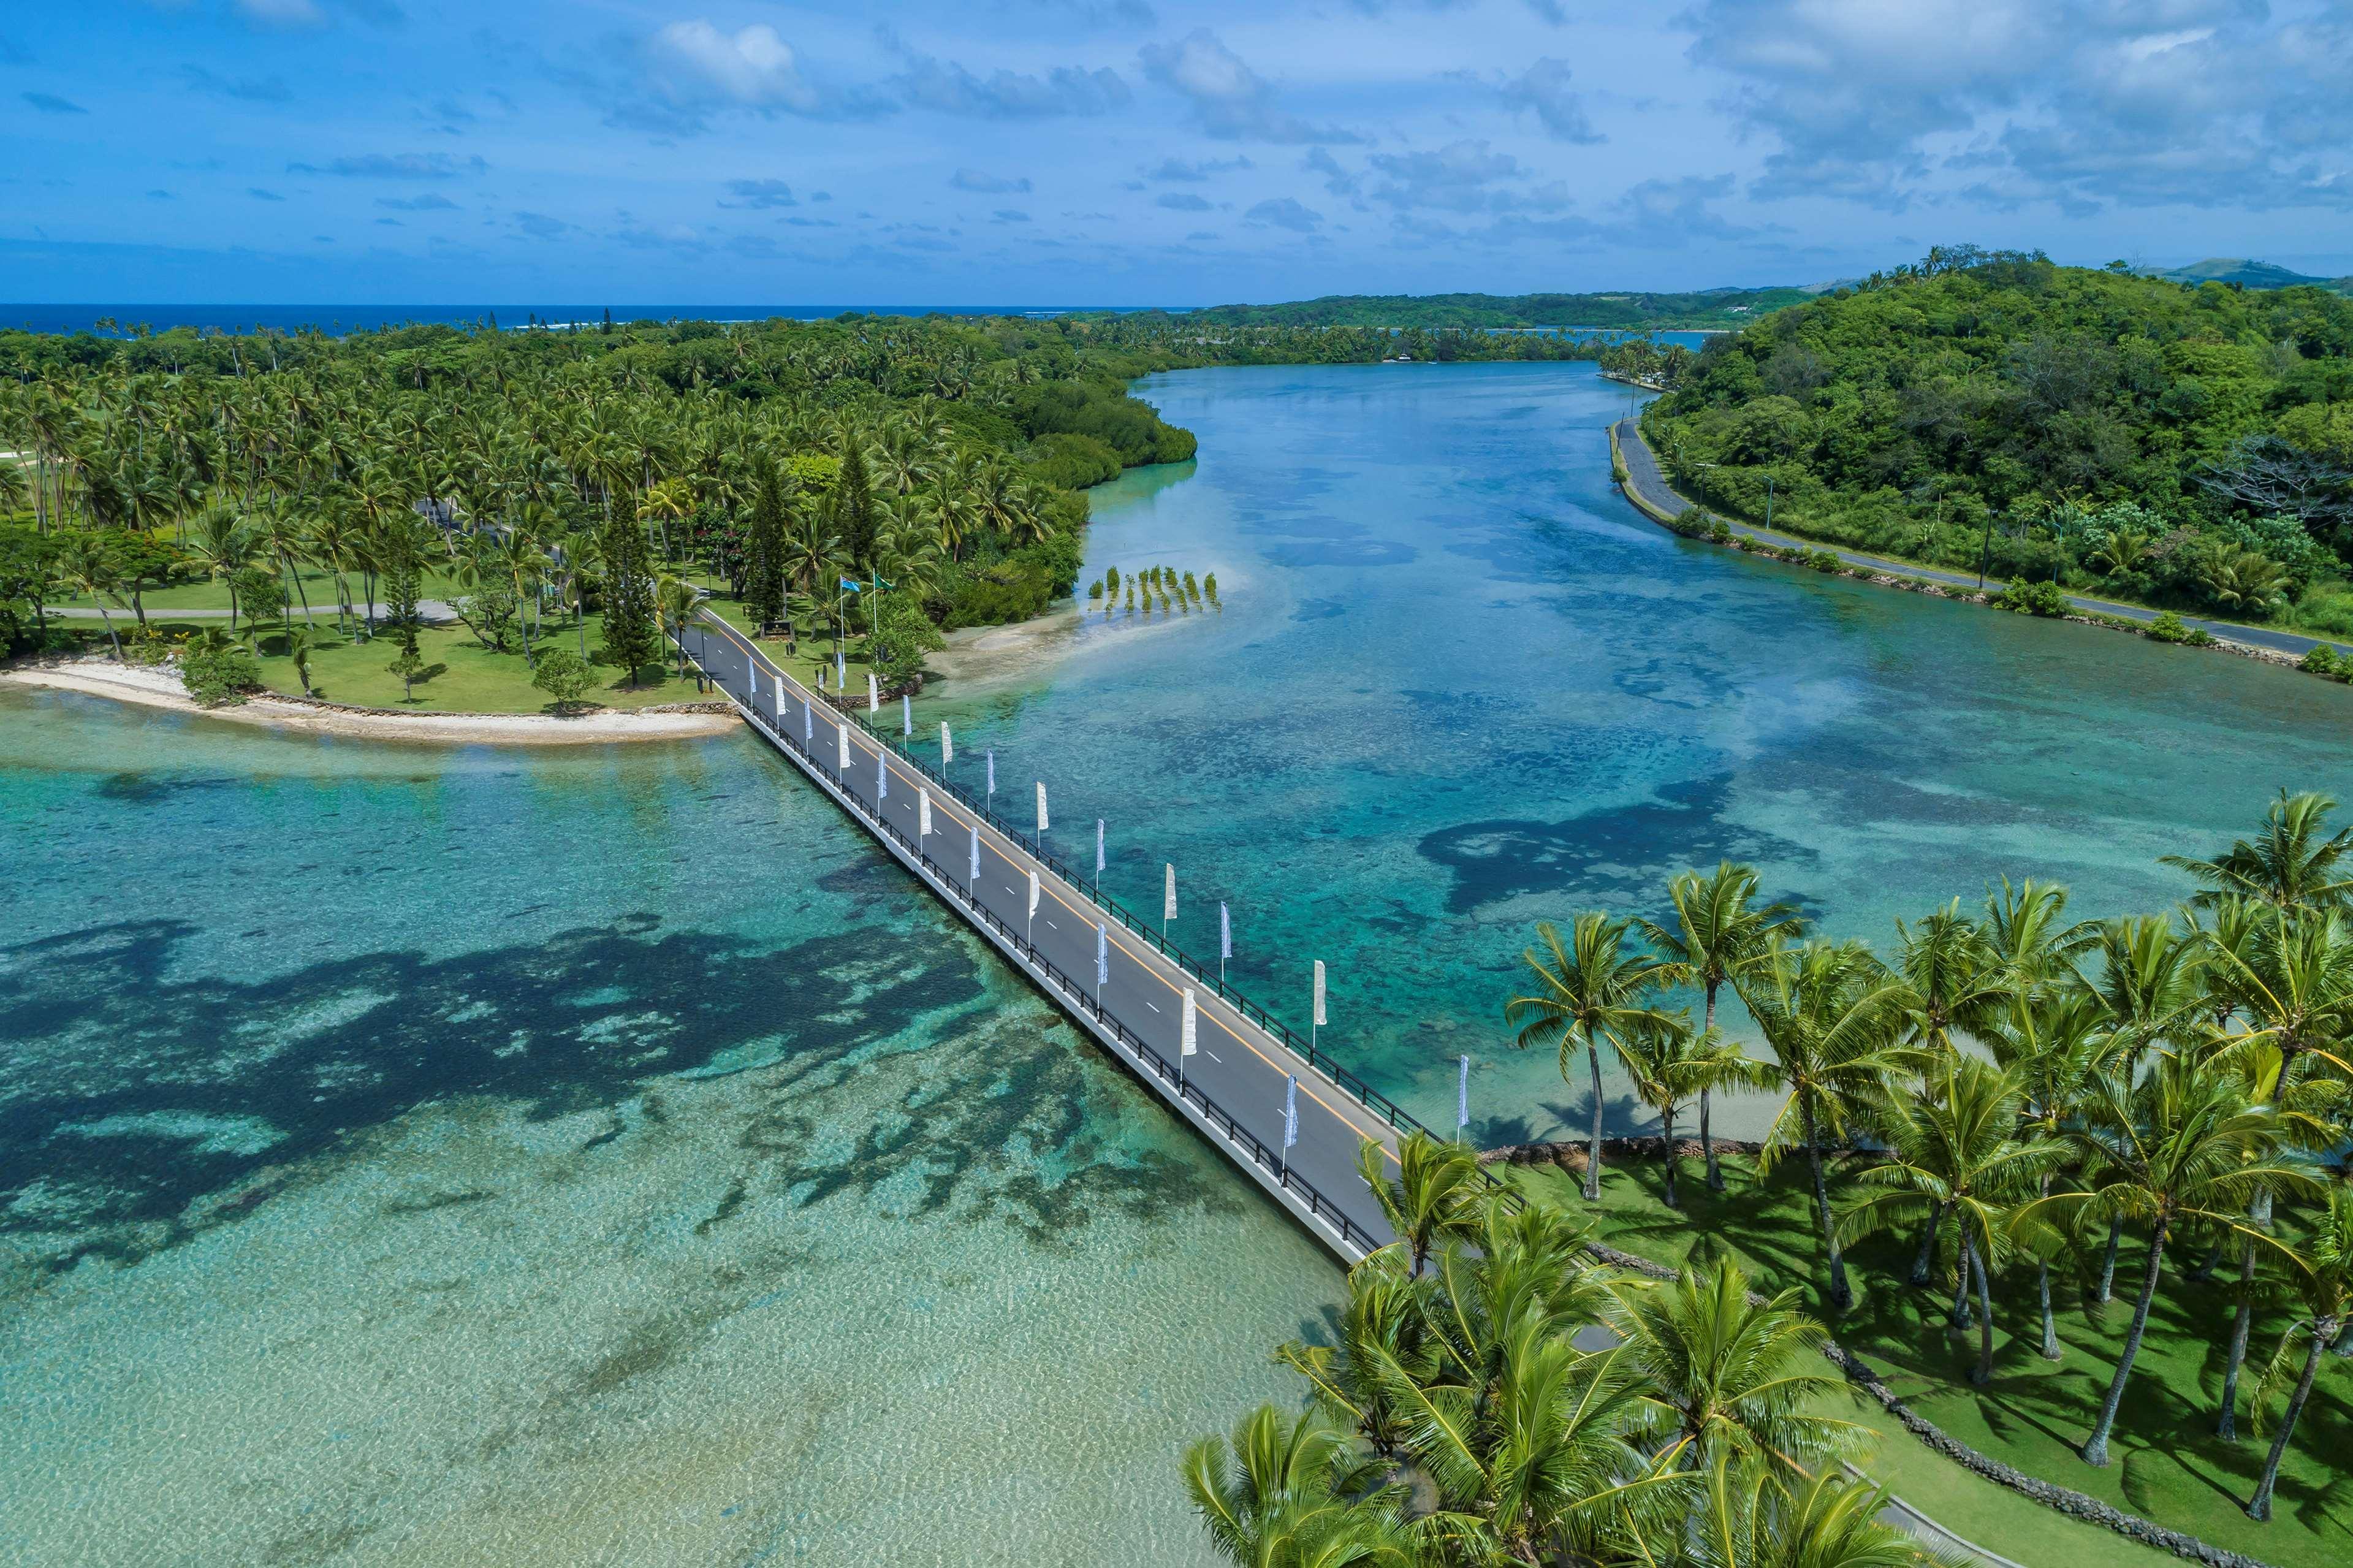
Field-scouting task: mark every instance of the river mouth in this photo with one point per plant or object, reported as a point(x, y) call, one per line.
point(444, 1155)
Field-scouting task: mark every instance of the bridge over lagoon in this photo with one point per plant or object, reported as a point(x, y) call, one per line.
point(1234, 1089)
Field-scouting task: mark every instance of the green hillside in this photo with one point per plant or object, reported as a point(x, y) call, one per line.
point(2176, 444)
point(2242, 272)
point(1620, 310)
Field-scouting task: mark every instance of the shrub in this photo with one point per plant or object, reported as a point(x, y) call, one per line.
point(562, 674)
point(1719, 531)
point(2043, 598)
point(1822, 560)
point(219, 676)
point(1073, 461)
point(2170, 628)
point(2322, 661)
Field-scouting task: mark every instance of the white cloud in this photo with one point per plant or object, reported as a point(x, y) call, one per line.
point(1230, 100)
point(694, 62)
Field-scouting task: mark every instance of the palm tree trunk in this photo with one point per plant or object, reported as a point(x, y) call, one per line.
point(1960, 1316)
point(110, 637)
point(2259, 1507)
point(2095, 1451)
point(1667, 1118)
point(1707, 1143)
point(1593, 1145)
point(2226, 1426)
point(2049, 1325)
point(2108, 1262)
point(1924, 1259)
point(1842, 1297)
point(1983, 1373)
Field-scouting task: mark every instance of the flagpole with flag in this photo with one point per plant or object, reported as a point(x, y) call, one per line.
point(923, 813)
point(948, 748)
point(1225, 940)
point(873, 694)
point(1462, 1099)
point(1098, 853)
point(1318, 1022)
point(1168, 902)
point(1103, 961)
point(972, 877)
point(1033, 907)
point(808, 718)
point(881, 777)
point(992, 779)
point(841, 733)
point(906, 717)
point(1290, 1121)
point(1185, 1046)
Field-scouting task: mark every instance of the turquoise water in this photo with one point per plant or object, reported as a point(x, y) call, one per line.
point(467, 1157)
point(462, 1155)
point(1460, 685)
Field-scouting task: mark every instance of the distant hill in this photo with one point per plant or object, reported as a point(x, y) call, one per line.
point(1620, 310)
point(2246, 273)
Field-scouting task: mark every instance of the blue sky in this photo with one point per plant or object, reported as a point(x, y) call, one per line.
point(1141, 151)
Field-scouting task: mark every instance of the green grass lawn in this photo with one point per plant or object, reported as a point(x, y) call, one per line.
point(472, 678)
point(2166, 1464)
point(803, 664)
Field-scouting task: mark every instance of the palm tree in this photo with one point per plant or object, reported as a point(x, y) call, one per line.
point(1831, 1015)
point(2183, 1146)
point(1670, 1065)
point(1590, 990)
point(1435, 1195)
point(224, 545)
point(85, 564)
point(1952, 971)
point(1719, 927)
point(2288, 863)
point(2053, 1043)
point(674, 600)
point(1294, 1497)
point(1749, 1516)
point(1726, 1373)
point(2325, 1280)
point(301, 641)
point(1954, 1157)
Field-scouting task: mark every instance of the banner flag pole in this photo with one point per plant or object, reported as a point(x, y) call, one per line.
point(1319, 1006)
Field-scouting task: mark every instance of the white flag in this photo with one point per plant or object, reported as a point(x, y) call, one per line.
point(808, 718)
point(1103, 958)
point(923, 812)
point(882, 779)
point(972, 877)
point(1168, 899)
point(947, 744)
point(1186, 1049)
point(1033, 892)
point(841, 733)
point(1099, 848)
point(780, 702)
point(1290, 1111)
point(1319, 992)
point(1041, 805)
point(906, 714)
point(840, 672)
point(873, 694)
point(992, 770)
point(1462, 1095)
point(1225, 931)
point(756, 678)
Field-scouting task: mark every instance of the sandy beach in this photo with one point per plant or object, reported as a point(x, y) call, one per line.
point(160, 688)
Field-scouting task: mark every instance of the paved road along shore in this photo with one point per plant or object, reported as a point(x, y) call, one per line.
point(1234, 1085)
point(1648, 487)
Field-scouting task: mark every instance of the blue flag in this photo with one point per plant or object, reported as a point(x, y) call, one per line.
point(1289, 1110)
point(1462, 1095)
point(849, 585)
point(1102, 957)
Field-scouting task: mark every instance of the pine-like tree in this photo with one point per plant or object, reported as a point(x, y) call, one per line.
point(632, 641)
point(853, 506)
point(764, 552)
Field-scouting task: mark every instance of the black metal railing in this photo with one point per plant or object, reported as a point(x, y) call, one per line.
point(1372, 1099)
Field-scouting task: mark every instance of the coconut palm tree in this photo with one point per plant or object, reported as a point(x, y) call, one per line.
point(224, 545)
point(1728, 1376)
point(1832, 1017)
point(1749, 1516)
point(1435, 1195)
point(1590, 989)
point(674, 600)
point(1954, 1158)
point(2184, 1147)
point(2293, 862)
point(86, 565)
point(1671, 1066)
point(1294, 1495)
point(2324, 1279)
point(2053, 1043)
point(1953, 972)
point(301, 642)
point(1719, 926)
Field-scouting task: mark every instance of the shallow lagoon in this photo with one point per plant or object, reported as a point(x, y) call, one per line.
point(458, 1156)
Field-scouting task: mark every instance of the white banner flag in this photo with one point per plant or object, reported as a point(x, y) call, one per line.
point(1033, 893)
point(1168, 899)
point(1041, 805)
point(882, 779)
point(1320, 1018)
point(906, 716)
point(972, 877)
point(947, 744)
point(923, 813)
point(841, 734)
point(873, 694)
point(808, 718)
point(780, 702)
point(1186, 1048)
point(756, 678)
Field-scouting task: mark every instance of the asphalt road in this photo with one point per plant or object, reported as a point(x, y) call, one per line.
point(1650, 485)
point(1237, 1066)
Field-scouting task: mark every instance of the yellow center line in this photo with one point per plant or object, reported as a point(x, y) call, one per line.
point(868, 743)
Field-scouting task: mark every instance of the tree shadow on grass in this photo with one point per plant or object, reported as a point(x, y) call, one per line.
point(145, 1109)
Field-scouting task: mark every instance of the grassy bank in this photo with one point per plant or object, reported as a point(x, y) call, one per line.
point(2167, 1465)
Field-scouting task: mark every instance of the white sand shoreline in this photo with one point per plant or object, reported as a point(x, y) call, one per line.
point(160, 688)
